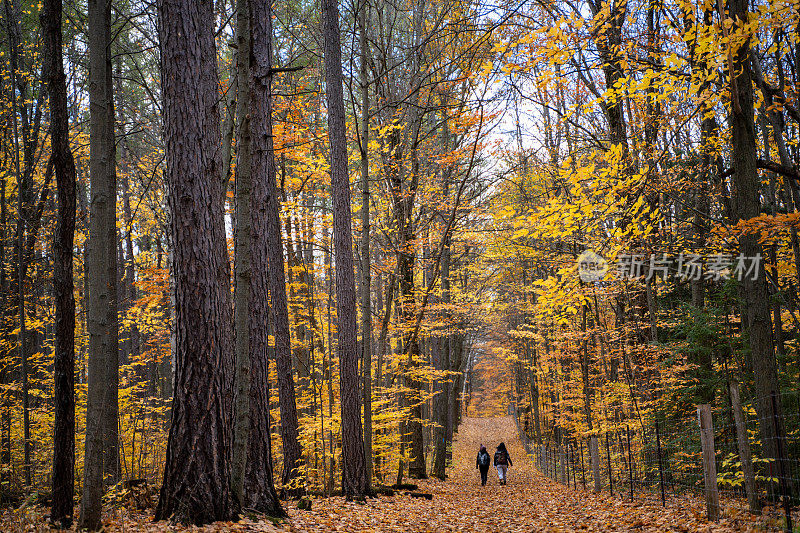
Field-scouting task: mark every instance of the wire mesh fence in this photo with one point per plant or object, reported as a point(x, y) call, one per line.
point(744, 467)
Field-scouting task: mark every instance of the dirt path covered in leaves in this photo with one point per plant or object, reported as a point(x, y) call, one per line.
point(530, 502)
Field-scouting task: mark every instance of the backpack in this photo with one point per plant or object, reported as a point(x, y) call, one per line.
point(483, 459)
point(500, 458)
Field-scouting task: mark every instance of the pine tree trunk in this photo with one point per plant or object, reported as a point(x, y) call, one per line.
point(5, 374)
point(63, 285)
point(197, 484)
point(366, 279)
point(101, 457)
point(327, 366)
point(354, 473)
point(12, 17)
point(292, 451)
point(259, 485)
point(243, 246)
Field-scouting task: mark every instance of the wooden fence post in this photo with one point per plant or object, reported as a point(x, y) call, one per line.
point(568, 461)
point(574, 465)
point(630, 459)
point(572, 450)
point(542, 459)
point(744, 449)
point(610, 476)
point(660, 467)
point(549, 460)
point(594, 451)
point(709, 460)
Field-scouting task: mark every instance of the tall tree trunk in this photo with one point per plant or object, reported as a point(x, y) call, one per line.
point(746, 202)
point(444, 433)
point(417, 465)
point(708, 131)
point(354, 472)
point(63, 286)
point(101, 458)
point(259, 486)
point(327, 366)
point(292, 452)
point(5, 373)
point(197, 483)
point(442, 409)
point(129, 279)
point(243, 251)
point(14, 38)
point(366, 278)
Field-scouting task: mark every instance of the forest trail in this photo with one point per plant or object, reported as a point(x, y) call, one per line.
point(530, 501)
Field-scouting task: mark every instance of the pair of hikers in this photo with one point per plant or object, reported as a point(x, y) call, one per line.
point(502, 460)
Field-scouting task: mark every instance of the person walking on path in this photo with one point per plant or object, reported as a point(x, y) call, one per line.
point(482, 463)
point(502, 460)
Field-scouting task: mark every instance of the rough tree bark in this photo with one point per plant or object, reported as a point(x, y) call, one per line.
point(354, 473)
point(63, 241)
point(5, 374)
point(441, 401)
point(101, 457)
point(746, 205)
point(292, 452)
point(243, 251)
point(259, 486)
point(196, 487)
point(23, 186)
point(366, 279)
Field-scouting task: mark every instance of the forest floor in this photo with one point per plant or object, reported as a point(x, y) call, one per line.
point(529, 502)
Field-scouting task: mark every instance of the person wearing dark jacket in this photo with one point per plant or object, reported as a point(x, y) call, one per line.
point(482, 463)
point(502, 460)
